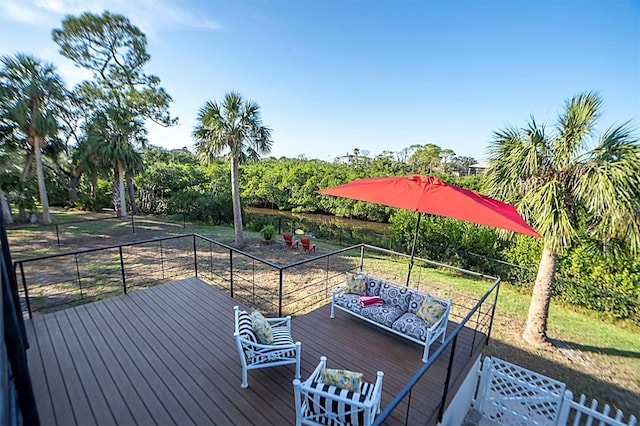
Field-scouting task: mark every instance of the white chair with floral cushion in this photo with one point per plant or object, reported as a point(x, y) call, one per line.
point(264, 342)
point(336, 397)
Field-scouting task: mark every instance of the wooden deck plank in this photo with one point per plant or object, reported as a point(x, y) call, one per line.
point(118, 363)
point(62, 411)
point(153, 392)
point(224, 351)
point(38, 377)
point(100, 409)
point(170, 349)
point(166, 355)
point(77, 397)
point(117, 405)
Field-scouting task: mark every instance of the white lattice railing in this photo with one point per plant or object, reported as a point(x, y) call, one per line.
point(508, 394)
point(577, 413)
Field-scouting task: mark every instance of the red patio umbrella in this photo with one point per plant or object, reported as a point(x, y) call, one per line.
point(427, 194)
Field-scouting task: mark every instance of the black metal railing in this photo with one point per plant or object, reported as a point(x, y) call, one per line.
point(61, 280)
point(57, 281)
point(429, 409)
point(68, 232)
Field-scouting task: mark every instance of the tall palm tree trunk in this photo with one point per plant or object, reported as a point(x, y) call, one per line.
point(235, 196)
point(535, 331)
point(22, 213)
point(74, 179)
point(132, 195)
point(94, 186)
point(44, 199)
point(121, 193)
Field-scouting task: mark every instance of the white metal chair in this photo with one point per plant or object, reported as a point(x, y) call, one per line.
point(255, 355)
point(318, 403)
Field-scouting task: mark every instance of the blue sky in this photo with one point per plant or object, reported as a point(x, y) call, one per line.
point(331, 76)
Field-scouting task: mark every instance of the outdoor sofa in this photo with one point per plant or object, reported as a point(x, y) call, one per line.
point(408, 312)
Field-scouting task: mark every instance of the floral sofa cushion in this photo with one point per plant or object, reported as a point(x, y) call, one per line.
point(383, 314)
point(349, 301)
point(356, 283)
point(373, 285)
point(416, 301)
point(262, 328)
point(411, 325)
point(431, 311)
point(397, 297)
point(343, 379)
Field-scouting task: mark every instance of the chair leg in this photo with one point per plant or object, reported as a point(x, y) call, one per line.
point(425, 357)
point(245, 383)
point(298, 399)
point(298, 344)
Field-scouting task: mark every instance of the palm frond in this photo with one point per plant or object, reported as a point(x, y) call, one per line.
point(609, 188)
point(553, 218)
point(575, 126)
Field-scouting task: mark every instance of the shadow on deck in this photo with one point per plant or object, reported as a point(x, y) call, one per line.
point(166, 355)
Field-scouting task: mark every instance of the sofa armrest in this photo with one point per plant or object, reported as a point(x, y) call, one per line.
point(339, 291)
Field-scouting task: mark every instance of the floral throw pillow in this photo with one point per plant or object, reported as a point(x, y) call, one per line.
point(356, 283)
point(430, 311)
point(262, 328)
point(343, 379)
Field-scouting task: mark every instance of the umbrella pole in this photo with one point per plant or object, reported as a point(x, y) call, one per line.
point(413, 247)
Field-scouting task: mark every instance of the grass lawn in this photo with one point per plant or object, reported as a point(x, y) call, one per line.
point(593, 356)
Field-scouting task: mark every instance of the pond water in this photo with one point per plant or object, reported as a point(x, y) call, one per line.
point(321, 219)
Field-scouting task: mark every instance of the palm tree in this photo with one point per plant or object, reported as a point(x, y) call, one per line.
point(568, 183)
point(30, 90)
point(233, 126)
point(113, 133)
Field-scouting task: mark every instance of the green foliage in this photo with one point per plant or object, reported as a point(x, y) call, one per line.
point(268, 232)
point(448, 240)
point(570, 183)
point(174, 182)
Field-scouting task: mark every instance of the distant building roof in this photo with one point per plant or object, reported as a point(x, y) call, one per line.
point(480, 165)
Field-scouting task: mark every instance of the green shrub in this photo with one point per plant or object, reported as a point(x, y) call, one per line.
point(268, 232)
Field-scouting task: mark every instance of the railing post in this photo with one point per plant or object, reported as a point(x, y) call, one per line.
point(280, 294)
point(57, 235)
point(361, 256)
point(210, 257)
point(195, 256)
point(133, 226)
point(231, 272)
point(253, 281)
point(124, 281)
point(162, 260)
point(78, 274)
point(406, 417)
point(448, 379)
point(493, 312)
point(326, 279)
point(26, 292)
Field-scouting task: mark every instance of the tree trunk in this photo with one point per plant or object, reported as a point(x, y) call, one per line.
point(74, 178)
point(235, 196)
point(22, 213)
point(535, 331)
point(119, 198)
point(94, 186)
point(121, 193)
point(132, 197)
point(44, 199)
point(6, 210)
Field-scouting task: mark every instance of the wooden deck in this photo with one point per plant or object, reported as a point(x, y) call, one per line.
point(166, 355)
